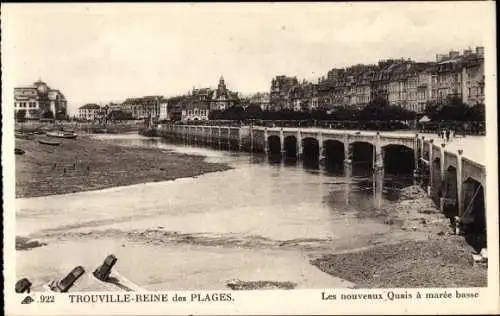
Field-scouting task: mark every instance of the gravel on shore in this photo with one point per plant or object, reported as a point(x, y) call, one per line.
point(86, 163)
point(440, 260)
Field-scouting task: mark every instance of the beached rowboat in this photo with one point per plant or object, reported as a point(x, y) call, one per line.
point(49, 142)
point(19, 151)
point(61, 134)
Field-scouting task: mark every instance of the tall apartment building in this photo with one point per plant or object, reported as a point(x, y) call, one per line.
point(144, 107)
point(280, 92)
point(90, 112)
point(460, 75)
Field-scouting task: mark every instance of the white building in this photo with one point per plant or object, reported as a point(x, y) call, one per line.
point(39, 101)
point(163, 110)
point(89, 112)
point(195, 111)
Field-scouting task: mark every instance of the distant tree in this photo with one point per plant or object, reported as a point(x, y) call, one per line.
point(61, 116)
point(477, 113)
point(234, 113)
point(380, 110)
point(253, 111)
point(215, 115)
point(47, 114)
point(344, 114)
point(119, 115)
point(318, 114)
point(21, 115)
point(451, 109)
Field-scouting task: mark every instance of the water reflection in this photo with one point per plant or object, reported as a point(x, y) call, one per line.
point(357, 187)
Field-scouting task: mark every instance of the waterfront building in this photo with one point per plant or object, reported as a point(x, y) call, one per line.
point(39, 101)
point(402, 82)
point(460, 75)
point(222, 99)
point(144, 107)
point(303, 97)
point(473, 73)
point(193, 110)
point(261, 99)
point(279, 94)
point(89, 112)
point(163, 110)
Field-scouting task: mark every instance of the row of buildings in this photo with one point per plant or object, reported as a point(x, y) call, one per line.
point(147, 107)
point(195, 105)
point(402, 82)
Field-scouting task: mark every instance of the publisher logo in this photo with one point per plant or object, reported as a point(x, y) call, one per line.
point(27, 300)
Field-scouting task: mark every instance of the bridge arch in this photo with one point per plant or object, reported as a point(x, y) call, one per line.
point(310, 151)
point(274, 144)
point(334, 152)
point(436, 178)
point(290, 144)
point(450, 192)
point(362, 153)
point(473, 222)
point(398, 159)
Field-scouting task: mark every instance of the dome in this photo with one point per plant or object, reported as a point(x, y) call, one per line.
point(41, 86)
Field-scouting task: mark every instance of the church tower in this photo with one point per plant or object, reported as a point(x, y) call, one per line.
point(221, 89)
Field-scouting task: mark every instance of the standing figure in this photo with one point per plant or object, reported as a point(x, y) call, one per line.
point(447, 135)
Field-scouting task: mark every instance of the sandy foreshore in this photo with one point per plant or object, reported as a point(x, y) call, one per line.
point(86, 163)
point(429, 255)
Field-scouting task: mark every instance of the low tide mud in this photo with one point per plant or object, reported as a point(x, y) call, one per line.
point(429, 256)
point(87, 163)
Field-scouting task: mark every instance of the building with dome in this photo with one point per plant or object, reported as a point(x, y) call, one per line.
point(39, 101)
point(222, 99)
point(199, 103)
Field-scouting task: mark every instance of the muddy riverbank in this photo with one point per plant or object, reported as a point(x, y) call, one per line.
point(436, 258)
point(87, 163)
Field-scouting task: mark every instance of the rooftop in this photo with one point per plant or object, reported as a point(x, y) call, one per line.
point(90, 106)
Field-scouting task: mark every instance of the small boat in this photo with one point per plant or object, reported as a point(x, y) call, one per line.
point(49, 142)
point(19, 151)
point(61, 134)
point(24, 136)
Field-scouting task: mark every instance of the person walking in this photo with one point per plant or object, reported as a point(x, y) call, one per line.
point(447, 135)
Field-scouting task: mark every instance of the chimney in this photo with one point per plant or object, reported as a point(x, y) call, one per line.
point(480, 50)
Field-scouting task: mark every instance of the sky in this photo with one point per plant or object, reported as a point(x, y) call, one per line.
point(108, 52)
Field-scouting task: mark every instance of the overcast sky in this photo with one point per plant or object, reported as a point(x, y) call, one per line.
point(103, 52)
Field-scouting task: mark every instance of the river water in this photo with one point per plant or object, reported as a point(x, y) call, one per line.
point(263, 220)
